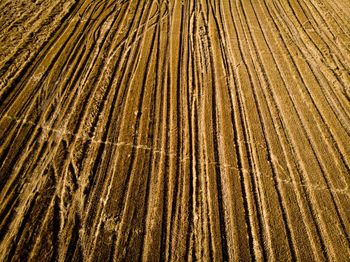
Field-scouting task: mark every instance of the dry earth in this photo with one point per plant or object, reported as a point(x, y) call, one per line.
point(174, 130)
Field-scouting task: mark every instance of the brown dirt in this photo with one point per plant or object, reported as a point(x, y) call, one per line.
point(174, 130)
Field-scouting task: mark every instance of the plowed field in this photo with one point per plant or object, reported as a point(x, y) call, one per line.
point(209, 130)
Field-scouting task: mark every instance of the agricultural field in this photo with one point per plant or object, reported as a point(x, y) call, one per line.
point(174, 130)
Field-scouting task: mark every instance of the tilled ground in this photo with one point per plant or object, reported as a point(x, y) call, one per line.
point(174, 130)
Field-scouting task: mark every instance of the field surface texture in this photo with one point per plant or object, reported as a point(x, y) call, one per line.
point(207, 130)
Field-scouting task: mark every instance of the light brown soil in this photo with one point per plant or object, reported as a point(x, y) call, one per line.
point(174, 130)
